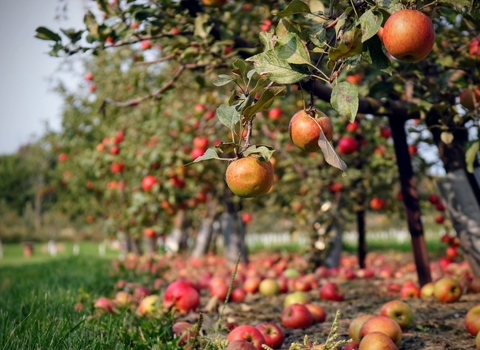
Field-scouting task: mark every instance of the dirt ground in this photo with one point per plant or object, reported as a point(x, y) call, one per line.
point(436, 325)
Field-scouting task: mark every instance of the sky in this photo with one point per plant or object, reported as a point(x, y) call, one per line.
point(26, 69)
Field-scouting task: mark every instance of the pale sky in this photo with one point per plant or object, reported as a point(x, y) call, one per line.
point(26, 98)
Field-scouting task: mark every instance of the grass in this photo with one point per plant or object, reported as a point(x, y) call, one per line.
point(37, 309)
point(13, 253)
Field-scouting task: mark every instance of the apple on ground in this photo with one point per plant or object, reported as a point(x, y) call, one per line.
point(331, 291)
point(472, 320)
point(251, 284)
point(352, 345)
point(220, 290)
point(296, 298)
point(238, 295)
point(182, 296)
point(318, 313)
point(398, 311)
point(183, 331)
point(384, 325)
point(296, 316)
point(147, 305)
point(272, 333)
point(104, 304)
point(447, 290)
point(355, 326)
point(241, 345)
point(268, 287)
point(427, 291)
point(409, 290)
point(122, 299)
point(248, 333)
point(377, 341)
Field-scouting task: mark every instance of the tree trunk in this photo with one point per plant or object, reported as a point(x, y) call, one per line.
point(410, 200)
point(205, 233)
point(152, 245)
point(335, 253)
point(137, 246)
point(177, 239)
point(460, 189)
point(464, 212)
point(233, 231)
point(362, 245)
point(39, 183)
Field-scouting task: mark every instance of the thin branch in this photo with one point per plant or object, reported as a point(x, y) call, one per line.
point(163, 59)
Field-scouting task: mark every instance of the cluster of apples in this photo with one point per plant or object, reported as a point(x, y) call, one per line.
point(439, 206)
point(89, 77)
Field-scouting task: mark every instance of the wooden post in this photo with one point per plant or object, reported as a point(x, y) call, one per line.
point(410, 200)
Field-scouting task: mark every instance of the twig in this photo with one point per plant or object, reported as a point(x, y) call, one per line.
point(163, 59)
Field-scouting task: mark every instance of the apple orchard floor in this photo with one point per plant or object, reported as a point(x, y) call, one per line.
point(436, 325)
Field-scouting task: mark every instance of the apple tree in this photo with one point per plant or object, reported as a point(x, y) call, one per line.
point(421, 61)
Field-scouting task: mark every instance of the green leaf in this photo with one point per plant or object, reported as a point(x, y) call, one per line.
point(222, 79)
point(370, 23)
point(262, 151)
point(259, 85)
point(200, 29)
point(73, 35)
point(241, 66)
point(267, 40)
point(265, 100)
point(331, 157)
point(373, 54)
point(278, 70)
point(228, 116)
point(344, 100)
point(471, 155)
point(46, 34)
point(91, 23)
point(286, 26)
point(296, 6)
point(209, 154)
point(292, 49)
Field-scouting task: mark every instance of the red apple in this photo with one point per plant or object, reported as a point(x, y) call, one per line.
point(377, 341)
point(196, 152)
point(123, 299)
point(89, 76)
point(275, 113)
point(409, 290)
point(116, 167)
point(248, 333)
point(356, 325)
point(398, 311)
point(318, 313)
point(104, 304)
point(377, 203)
point(238, 295)
point(246, 218)
point(183, 332)
point(296, 316)
point(347, 145)
point(331, 291)
point(433, 198)
point(384, 325)
point(355, 79)
point(305, 131)
point(182, 296)
point(468, 98)
point(146, 44)
point(272, 334)
point(472, 320)
point(385, 132)
point(352, 345)
point(148, 182)
point(241, 345)
point(408, 35)
point(200, 142)
point(251, 284)
point(447, 289)
point(62, 157)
